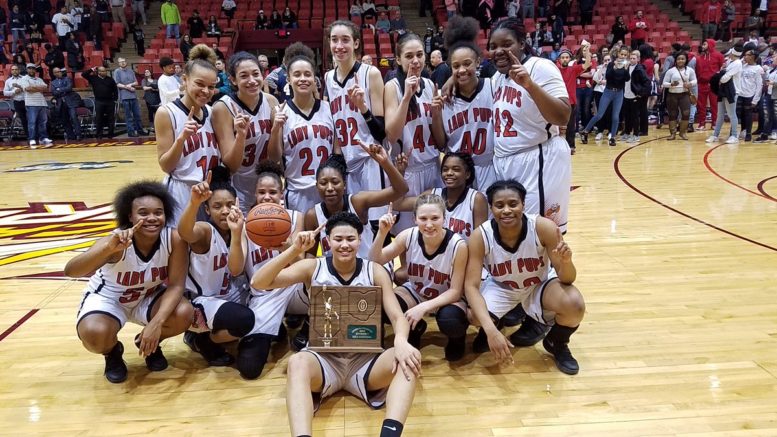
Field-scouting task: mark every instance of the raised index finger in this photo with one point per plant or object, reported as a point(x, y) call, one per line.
point(210, 177)
point(191, 113)
point(138, 224)
point(514, 58)
point(390, 208)
point(319, 228)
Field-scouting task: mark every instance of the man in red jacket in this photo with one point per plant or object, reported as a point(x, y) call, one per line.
point(708, 62)
point(710, 18)
point(638, 27)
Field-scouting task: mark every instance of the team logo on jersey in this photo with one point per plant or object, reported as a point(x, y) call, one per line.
point(53, 166)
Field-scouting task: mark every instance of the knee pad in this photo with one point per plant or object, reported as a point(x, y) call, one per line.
point(452, 321)
point(237, 319)
point(252, 353)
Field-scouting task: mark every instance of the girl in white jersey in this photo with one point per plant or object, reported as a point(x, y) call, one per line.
point(408, 107)
point(530, 102)
point(465, 124)
point(242, 122)
point(436, 259)
point(210, 284)
point(518, 251)
point(366, 375)
point(186, 145)
point(303, 130)
point(140, 269)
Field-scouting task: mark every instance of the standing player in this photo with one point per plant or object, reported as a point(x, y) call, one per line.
point(436, 262)
point(242, 122)
point(210, 285)
point(465, 124)
point(530, 102)
point(186, 145)
point(132, 266)
point(303, 131)
point(388, 378)
point(407, 100)
point(518, 250)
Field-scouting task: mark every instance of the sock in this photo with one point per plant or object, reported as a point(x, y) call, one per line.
point(559, 334)
point(391, 428)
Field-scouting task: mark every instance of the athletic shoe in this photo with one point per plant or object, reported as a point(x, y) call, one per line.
point(599, 137)
point(301, 339)
point(761, 139)
point(732, 140)
point(33, 144)
point(514, 317)
point(213, 353)
point(634, 139)
point(115, 367)
point(480, 344)
point(690, 128)
point(701, 128)
point(46, 141)
point(529, 334)
point(748, 138)
point(454, 350)
point(414, 337)
point(584, 138)
point(156, 362)
point(564, 359)
point(612, 142)
point(712, 139)
point(773, 136)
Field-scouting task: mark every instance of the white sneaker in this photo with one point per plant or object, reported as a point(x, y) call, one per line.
point(634, 139)
point(33, 144)
point(742, 135)
point(773, 136)
point(599, 136)
point(712, 139)
point(732, 140)
point(46, 141)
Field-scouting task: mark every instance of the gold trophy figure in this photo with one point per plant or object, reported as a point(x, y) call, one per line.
point(328, 312)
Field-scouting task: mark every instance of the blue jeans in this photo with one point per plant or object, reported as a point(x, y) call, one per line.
point(132, 115)
point(37, 119)
point(726, 107)
point(695, 91)
point(584, 98)
point(173, 31)
point(17, 35)
point(768, 113)
point(69, 119)
point(609, 96)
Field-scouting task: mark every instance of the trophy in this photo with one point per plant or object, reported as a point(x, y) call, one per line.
point(346, 319)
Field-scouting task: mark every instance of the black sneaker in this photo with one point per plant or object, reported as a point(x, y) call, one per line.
point(612, 142)
point(454, 350)
point(156, 362)
point(690, 128)
point(414, 337)
point(514, 317)
point(529, 334)
point(301, 339)
point(115, 367)
point(762, 139)
point(564, 359)
point(584, 137)
point(214, 354)
point(480, 344)
point(748, 138)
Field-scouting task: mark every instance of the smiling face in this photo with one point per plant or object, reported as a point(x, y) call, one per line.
point(151, 210)
point(412, 57)
point(342, 43)
point(331, 186)
point(248, 78)
point(218, 207)
point(268, 190)
point(507, 207)
point(302, 77)
point(200, 85)
point(454, 172)
point(430, 219)
point(344, 242)
point(501, 44)
point(464, 63)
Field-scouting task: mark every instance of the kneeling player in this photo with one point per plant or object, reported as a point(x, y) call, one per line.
point(131, 267)
point(387, 378)
point(518, 250)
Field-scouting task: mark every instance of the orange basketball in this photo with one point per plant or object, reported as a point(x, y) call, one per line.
point(268, 224)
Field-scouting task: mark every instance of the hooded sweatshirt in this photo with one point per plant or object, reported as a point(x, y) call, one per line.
point(709, 62)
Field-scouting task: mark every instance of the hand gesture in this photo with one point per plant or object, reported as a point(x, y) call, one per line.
point(376, 152)
point(500, 347)
point(437, 102)
point(201, 192)
point(448, 91)
point(412, 83)
point(401, 163)
point(356, 97)
point(414, 315)
point(121, 239)
point(407, 358)
point(149, 339)
point(239, 122)
point(280, 117)
point(561, 254)
point(518, 72)
point(305, 241)
point(387, 220)
point(191, 126)
point(235, 217)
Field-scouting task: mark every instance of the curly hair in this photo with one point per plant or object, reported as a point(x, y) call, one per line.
point(122, 203)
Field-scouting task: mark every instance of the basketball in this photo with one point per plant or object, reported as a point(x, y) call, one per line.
point(268, 224)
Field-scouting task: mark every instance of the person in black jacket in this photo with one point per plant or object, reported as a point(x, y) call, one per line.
point(75, 52)
point(635, 97)
point(67, 102)
point(617, 75)
point(54, 58)
point(619, 31)
point(105, 95)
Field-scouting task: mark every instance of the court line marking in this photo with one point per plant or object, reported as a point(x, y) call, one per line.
point(761, 187)
point(18, 323)
point(759, 193)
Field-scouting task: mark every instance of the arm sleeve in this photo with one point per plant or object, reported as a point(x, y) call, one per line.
point(731, 70)
point(8, 90)
point(377, 128)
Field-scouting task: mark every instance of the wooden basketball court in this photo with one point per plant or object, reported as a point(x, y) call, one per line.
point(676, 249)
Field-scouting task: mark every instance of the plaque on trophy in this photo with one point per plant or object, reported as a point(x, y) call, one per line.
point(346, 319)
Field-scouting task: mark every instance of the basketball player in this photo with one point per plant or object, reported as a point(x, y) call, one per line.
point(215, 295)
point(465, 124)
point(387, 378)
point(436, 262)
point(530, 102)
point(518, 250)
point(465, 207)
point(302, 134)
point(407, 102)
point(242, 122)
point(186, 145)
point(139, 276)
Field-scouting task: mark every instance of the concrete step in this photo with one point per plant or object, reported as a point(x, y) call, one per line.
point(676, 14)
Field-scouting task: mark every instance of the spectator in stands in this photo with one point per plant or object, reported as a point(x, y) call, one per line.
point(367, 60)
point(485, 7)
point(63, 23)
point(428, 41)
point(289, 19)
point(77, 12)
point(218, 52)
point(168, 86)
point(555, 53)
point(369, 10)
point(728, 86)
point(178, 74)
point(513, 8)
point(264, 65)
point(557, 28)
point(438, 42)
point(229, 7)
point(139, 11)
point(223, 85)
point(275, 20)
point(95, 32)
point(383, 24)
point(452, 7)
point(710, 18)
point(67, 102)
point(754, 23)
point(18, 29)
point(587, 12)
point(126, 82)
point(638, 28)
point(171, 18)
point(678, 81)
point(635, 95)
point(186, 45)
point(54, 57)
point(423, 6)
point(37, 108)
point(117, 12)
point(21, 62)
point(140, 39)
point(75, 53)
point(3, 22)
point(276, 83)
point(648, 60)
point(570, 71)
point(600, 82)
point(86, 18)
point(104, 9)
point(441, 72)
point(584, 88)
point(196, 26)
point(105, 95)
point(398, 24)
point(212, 29)
point(150, 95)
point(728, 17)
point(40, 13)
point(749, 90)
point(261, 21)
point(14, 89)
point(754, 39)
point(561, 9)
point(356, 9)
point(616, 76)
point(708, 62)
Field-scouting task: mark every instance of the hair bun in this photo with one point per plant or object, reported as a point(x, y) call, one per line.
point(203, 52)
point(461, 29)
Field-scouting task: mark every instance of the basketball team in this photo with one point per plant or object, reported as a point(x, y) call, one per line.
point(468, 186)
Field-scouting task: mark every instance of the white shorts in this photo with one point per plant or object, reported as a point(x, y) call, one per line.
point(485, 175)
point(139, 314)
point(270, 307)
point(418, 181)
point(349, 372)
point(206, 307)
point(547, 178)
point(245, 185)
point(302, 200)
point(181, 191)
point(366, 175)
point(500, 300)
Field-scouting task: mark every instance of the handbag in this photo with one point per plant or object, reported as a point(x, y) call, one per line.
point(691, 95)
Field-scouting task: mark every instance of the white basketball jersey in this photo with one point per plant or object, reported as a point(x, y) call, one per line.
point(469, 126)
point(517, 268)
point(325, 273)
point(307, 143)
point(430, 273)
point(208, 273)
point(130, 279)
point(417, 140)
point(322, 215)
point(459, 218)
point(518, 123)
point(258, 256)
point(349, 122)
point(257, 139)
point(200, 151)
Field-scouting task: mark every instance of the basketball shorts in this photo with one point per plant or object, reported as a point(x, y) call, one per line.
point(366, 175)
point(140, 313)
point(302, 200)
point(270, 307)
point(206, 307)
point(181, 191)
point(349, 372)
point(245, 185)
point(546, 173)
point(418, 298)
point(418, 180)
point(485, 175)
point(500, 300)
